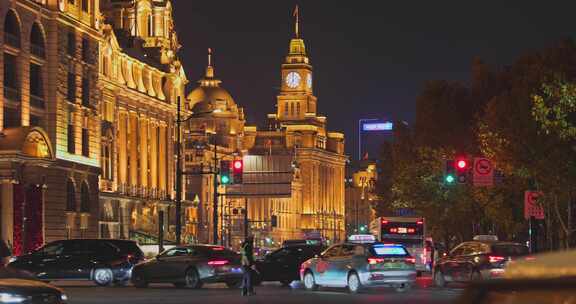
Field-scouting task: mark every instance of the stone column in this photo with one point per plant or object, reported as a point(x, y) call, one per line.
point(122, 149)
point(133, 150)
point(143, 151)
point(162, 157)
point(125, 219)
point(153, 154)
point(7, 211)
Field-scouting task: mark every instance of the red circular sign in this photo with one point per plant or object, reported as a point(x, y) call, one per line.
point(483, 166)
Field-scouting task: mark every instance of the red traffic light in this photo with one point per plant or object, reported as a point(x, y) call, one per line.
point(238, 164)
point(462, 164)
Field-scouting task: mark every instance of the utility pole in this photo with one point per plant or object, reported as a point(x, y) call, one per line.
point(178, 199)
point(215, 203)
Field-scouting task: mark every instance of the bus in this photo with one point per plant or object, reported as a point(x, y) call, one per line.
point(406, 231)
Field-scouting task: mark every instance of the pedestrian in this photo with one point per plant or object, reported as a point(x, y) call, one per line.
point(248, 266)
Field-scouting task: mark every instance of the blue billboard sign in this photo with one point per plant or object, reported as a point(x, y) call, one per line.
point(377, 126)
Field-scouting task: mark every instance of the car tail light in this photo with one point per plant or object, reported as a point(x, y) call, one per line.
point(495, 259)
point(218, 262)
point(374, 261)
point(410, 260)
point(218, 248)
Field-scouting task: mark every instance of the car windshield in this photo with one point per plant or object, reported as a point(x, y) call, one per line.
point(127, 247)
point(388, 250)
point(509, 250)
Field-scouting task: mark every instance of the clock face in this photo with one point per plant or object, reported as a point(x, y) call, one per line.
point(293, 80)
point(309, 80)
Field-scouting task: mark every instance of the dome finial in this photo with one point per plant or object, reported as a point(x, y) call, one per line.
point(209, 68)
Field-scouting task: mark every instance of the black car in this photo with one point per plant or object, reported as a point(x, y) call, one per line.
point(477, 260)
point(283, 265)
point(17, 286)
point(190, 267)
point(102, 261)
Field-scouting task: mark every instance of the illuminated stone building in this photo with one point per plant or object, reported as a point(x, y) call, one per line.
point(294, 169)
point(140, 81)
point(49, 120)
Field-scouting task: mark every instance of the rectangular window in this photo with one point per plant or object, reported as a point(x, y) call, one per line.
point(85, 5)
point(86, 91)
point(11, 117)
point(85, 50)
point(72, 43)
point(71, 137)
point(286, 108)
point(35, 121)
point(71, 87)
point(10, 79)
point(85, 142)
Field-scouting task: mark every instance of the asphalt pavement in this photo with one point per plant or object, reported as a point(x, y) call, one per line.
point(269, 293)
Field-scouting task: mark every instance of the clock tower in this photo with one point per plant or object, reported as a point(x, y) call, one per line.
point(296, 101)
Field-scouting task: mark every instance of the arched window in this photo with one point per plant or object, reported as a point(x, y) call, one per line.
point(70, 196)
point(85, 198)
point(37, 41)
point(12, 29)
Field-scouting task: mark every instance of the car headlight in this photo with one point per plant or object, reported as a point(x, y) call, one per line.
point(6, 297)
point(64, 297)
point(13, 259)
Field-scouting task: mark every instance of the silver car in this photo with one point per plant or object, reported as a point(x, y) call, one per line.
point(357, 266)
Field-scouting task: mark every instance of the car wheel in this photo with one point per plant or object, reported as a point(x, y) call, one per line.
point(403, 287)
point(138, 282)
point(285, 283)
point(191, 279)
point(309, 281)
point(235, 284)
point(439, 280)
point(103, 276)
point(354, 284)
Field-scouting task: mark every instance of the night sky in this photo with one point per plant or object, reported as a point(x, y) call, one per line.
point(370, 58)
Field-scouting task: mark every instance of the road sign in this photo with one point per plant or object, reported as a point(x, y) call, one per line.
point(482, 172)
point(531, 206)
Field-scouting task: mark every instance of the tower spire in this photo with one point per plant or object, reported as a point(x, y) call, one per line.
point(296, 16)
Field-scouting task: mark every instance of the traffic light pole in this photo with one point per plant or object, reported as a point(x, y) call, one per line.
point(215, 203)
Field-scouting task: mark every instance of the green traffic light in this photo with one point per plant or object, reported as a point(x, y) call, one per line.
point(225, 179)
point(449, 179)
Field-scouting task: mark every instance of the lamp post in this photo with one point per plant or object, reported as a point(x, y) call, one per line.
point(179, 173)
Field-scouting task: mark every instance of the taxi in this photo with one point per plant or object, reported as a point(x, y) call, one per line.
point(360, 263)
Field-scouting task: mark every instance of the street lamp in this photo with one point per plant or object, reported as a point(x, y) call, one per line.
point(179, 173)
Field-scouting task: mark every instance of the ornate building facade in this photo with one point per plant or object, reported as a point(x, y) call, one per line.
point(87, 110)
point(141, 80)
point(294, 169)
point(49, 121)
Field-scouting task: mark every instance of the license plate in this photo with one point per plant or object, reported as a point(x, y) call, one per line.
point(394, 265)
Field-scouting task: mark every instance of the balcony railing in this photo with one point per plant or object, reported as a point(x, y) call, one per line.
point(37, 50)
point(37, 102)
point(12, 40)
point(12, 94)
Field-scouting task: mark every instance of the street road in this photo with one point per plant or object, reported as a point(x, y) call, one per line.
point(86, 293)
